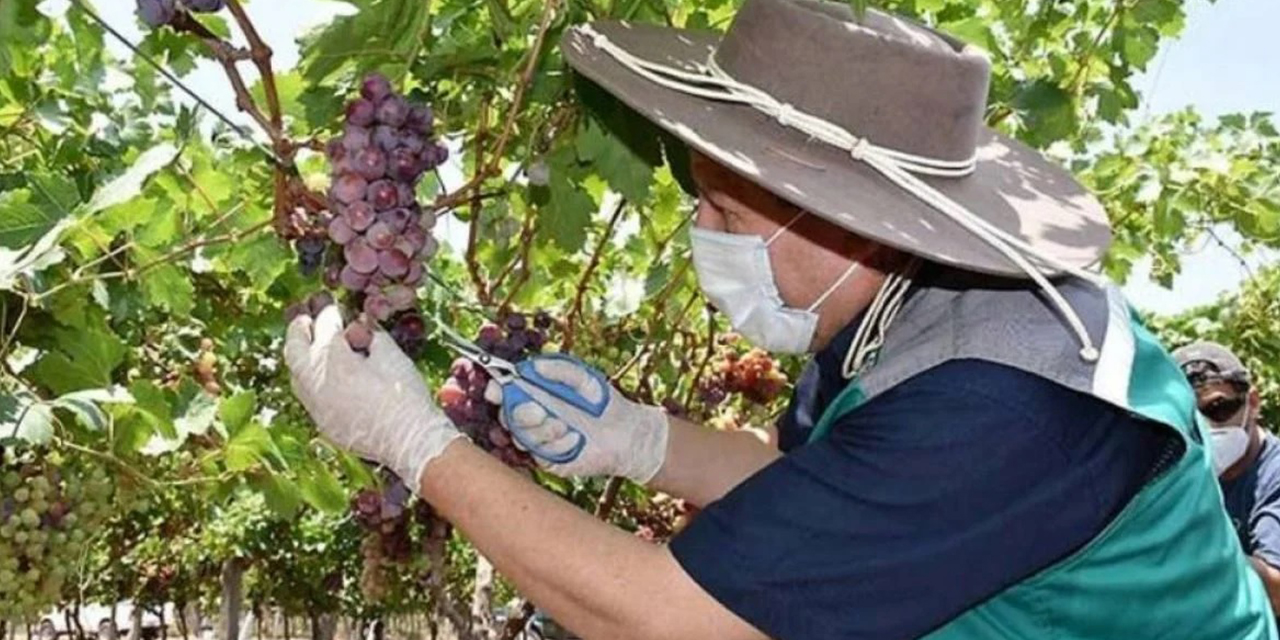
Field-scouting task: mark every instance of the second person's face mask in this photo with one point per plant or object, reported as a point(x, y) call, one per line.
point(736, 275)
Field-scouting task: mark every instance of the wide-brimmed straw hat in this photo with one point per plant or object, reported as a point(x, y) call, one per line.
point(875, 124)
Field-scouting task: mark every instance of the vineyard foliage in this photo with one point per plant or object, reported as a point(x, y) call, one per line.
point(147, 253)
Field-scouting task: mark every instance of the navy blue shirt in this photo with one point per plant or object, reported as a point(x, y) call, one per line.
point(921, 504)
point(1253, 502)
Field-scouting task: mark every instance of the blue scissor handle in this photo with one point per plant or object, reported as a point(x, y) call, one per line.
point(514, 396)
point(562, 391)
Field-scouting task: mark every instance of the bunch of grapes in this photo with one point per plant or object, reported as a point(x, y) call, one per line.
point(388, 521)
point(660, 517)
point(376, 236)
point(462, 395)
point(755, 375)
point(48, 508)
point(161, 12)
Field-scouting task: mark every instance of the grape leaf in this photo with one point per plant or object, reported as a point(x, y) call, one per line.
point(83, 359)
point(29, 213)
point(280, 493)
point(262, 257)
point(84, 405)
point(624, 170)
point(250, 446)
point(168, 287)
point(26, 418)
point(128, 185)
point(321, 489)
point(567, 215)
point(236, 410)
point(22, 27)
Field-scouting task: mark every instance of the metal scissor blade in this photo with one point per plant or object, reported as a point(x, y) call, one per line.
point(498, 369)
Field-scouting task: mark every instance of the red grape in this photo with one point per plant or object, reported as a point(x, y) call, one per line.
point(359, 215)
point(405, 196)
point(349, 188)
point(370, 163)
point(414, 276)
point(429, 249)
point(377, 306)
point(420, 119)
point(386, 138)
point(396, 219)
point(353, 280)
point(393, 263)
point(360, 113)
point(355, 138)
point(375, 87)
point(401, 297)
point(360, 256)
point(416, 237)
point(332, 275)
point(359, 336)
point(392, 111)
point(383, 195)
point(428, 220)
point(404, 246)
point(380, 236)
point(341, 232)
point(404, 165)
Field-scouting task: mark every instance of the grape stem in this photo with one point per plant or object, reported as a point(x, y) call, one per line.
point(575, 311)
point(526, 243)
point(261, 55)
point(710, 352)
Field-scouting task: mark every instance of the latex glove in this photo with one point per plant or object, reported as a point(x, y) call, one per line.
point(374, 405)
point(627, 439)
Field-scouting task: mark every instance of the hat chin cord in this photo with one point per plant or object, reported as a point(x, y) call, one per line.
point(899, 167)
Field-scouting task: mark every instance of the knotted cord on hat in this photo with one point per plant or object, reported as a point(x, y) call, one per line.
point(899, 167)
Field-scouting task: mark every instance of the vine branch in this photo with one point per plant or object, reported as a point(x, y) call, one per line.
point(575, 310)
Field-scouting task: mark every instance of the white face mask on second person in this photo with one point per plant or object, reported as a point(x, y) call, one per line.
point(1230, 442)
point(736, 275)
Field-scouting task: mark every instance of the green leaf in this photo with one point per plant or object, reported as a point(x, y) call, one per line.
point(321, 489)
point(280, 494)
point(624, 170)
point(197, 416)
point(128, 185)
point(25, 418)
point(83, 359)
point(29, 213)
point(1048, 112)
point(22, 28)
point(250, 446)
point(169, 288)
point(236, 410)
point(84, 405)
point(262, 257)
point(568, 214)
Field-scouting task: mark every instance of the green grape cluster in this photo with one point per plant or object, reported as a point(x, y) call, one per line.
point(49, 505)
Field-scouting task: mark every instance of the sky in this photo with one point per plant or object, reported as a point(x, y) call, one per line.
point(1224, 62)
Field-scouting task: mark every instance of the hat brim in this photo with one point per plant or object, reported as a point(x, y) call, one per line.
point(1014, 187)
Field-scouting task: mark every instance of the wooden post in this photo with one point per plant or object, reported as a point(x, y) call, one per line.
point(229, 615)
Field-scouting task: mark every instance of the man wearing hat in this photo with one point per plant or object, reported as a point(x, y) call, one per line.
point(1246, 457)
point(984, 445)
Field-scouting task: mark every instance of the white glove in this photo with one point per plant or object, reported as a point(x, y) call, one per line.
point(376, 406)
point(627, 439)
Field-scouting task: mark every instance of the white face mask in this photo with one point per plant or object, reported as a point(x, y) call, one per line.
point(1230, 442)
point(735, 274)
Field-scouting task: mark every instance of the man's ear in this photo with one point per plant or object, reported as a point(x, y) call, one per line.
point(1255, 401)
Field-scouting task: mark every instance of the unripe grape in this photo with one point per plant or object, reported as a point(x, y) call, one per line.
point(21, 495)
point(539, 174)
point(11, 480)
point(361, 112)
point(375, 87)
point(20, 537)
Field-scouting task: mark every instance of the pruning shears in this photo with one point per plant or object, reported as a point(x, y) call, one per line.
point(506, 373)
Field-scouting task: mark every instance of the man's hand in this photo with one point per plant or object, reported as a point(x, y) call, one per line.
point(376, 405)
point(626, 439)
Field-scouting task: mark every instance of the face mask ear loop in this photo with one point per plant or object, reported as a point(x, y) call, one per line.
point(783, 228)
point(835, 285)
point(882, 312)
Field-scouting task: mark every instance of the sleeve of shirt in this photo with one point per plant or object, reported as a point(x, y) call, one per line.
point(1265, 525)
point(921, 504)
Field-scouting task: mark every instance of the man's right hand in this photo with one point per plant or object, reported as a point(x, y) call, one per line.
point(627, 439)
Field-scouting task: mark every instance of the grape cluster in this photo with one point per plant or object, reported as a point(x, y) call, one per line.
point(462, 395)
point(161, 12)
point(375, 237)
point(755, 375)
point(389, 516)
point(48, 508)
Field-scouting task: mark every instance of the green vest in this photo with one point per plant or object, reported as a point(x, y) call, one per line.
point(1169, 566)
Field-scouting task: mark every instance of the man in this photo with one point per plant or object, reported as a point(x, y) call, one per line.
point(1245, 456)
point(984, 445)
